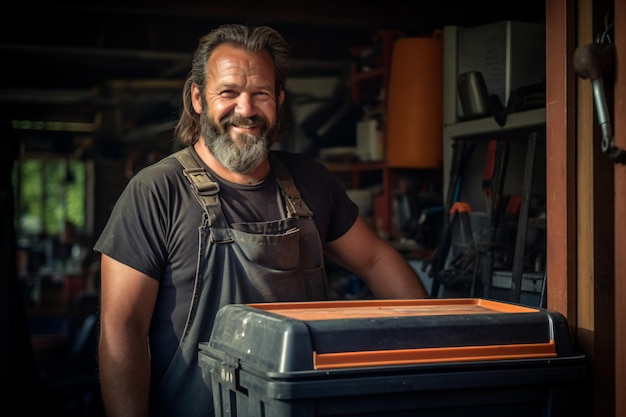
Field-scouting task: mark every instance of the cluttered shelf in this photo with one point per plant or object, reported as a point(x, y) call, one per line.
point(354, 166)
point(368, 74)
point(518, 120)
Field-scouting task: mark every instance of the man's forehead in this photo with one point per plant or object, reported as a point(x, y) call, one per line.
point(230, 60)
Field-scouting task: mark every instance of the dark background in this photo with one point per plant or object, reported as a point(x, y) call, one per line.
point(65, 61)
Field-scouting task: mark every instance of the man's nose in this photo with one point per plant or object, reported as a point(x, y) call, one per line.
point(245, 105)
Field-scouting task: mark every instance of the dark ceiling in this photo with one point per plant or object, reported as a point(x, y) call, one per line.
point(126, 60)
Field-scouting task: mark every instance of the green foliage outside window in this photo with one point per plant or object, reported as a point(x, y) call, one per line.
point(49, 192)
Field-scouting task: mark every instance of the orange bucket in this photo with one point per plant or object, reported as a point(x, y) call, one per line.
point(414, 129)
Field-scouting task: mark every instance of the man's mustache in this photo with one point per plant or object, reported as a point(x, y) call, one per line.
point(245, 122)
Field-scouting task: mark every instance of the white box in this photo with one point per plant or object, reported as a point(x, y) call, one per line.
point(509, 54)
point(369, 141)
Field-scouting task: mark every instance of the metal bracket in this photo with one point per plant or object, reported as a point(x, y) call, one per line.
point(608, 140)
point(590, 61)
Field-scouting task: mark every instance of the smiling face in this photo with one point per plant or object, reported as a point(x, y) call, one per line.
point(239, 108)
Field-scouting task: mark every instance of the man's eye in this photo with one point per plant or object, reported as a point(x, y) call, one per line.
point(228, 94)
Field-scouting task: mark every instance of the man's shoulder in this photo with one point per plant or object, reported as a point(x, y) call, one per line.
point(161, 171)
point(167, 163)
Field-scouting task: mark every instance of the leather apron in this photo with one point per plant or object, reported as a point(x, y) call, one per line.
point(271, 261)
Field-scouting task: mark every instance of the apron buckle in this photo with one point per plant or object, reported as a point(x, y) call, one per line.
point(203, 183)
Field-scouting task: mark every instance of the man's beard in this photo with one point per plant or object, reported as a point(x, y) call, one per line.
point(245, 152)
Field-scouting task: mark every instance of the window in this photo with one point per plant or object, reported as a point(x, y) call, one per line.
point(53, 213)
point(49, 193)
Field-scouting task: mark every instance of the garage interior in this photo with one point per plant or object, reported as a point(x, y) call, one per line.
point(100, 83)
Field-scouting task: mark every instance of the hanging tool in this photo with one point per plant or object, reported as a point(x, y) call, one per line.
point(464, 266)
point(461, 153)
point(462, 211)
point(493, 185)
point(590, 62)
point(469, 261)
point(522, 221)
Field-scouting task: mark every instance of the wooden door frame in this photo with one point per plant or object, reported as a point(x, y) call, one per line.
point(560, 159)
point(585, 283)
point(620, 209)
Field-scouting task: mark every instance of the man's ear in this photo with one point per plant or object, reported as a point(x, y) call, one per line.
point(196, 99)
point(281, 98)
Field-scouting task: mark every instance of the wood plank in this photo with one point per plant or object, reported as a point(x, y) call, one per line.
point(585, 147)
point(620, 212)
point(560, 159)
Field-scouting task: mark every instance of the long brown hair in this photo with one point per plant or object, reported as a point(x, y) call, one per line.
point(256, 39)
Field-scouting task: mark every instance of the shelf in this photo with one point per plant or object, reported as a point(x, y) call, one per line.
point(356, 170)
point(516, 131)
point(354, 166)
point(368, 75)
point(370, 79)
point(369, 82)
point(517, 120)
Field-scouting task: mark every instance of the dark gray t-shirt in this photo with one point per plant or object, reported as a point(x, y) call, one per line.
point(154, 229)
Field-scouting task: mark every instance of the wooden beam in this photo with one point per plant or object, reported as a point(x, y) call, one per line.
point(560, 159)
point(620, 209)
point(585, 148)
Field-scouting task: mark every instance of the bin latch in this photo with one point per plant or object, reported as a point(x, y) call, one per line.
point(229, 375)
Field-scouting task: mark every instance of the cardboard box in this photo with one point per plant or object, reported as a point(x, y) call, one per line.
point(452, 357)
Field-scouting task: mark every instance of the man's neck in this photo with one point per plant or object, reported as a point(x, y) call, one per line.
point(254, 177)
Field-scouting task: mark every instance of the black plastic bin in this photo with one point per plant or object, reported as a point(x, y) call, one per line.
point(440, 357)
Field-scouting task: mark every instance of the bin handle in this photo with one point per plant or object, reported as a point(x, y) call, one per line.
point(433, 355)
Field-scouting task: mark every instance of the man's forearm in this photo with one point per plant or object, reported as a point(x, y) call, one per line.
point(393, 277)
point(125, 380)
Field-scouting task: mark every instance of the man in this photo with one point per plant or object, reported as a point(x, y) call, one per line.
point(222, 221)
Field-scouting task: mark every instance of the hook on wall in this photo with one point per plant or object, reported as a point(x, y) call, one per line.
point(590, 62)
